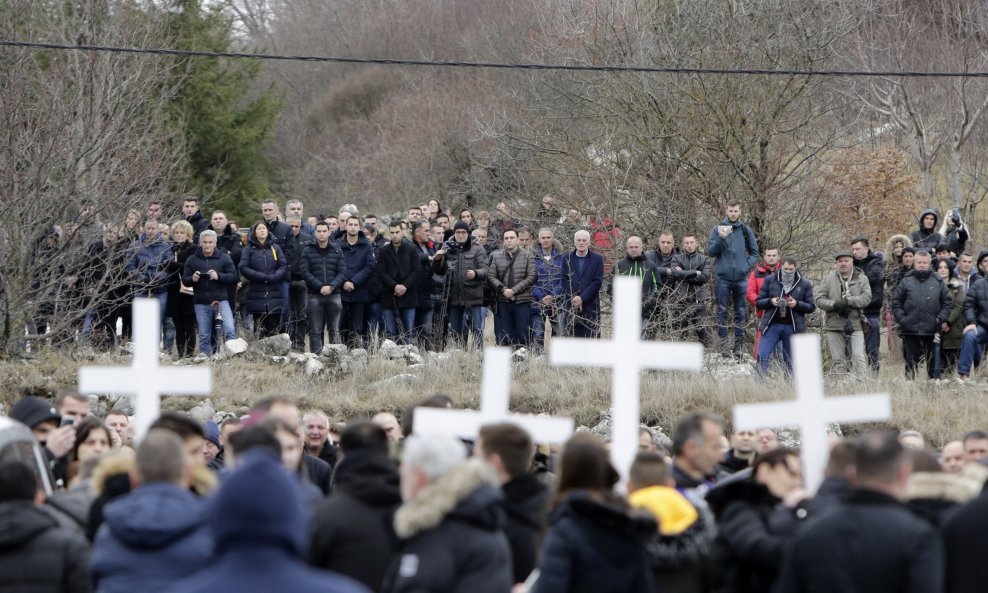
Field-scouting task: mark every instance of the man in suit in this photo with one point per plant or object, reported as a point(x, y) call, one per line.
point(583, 276)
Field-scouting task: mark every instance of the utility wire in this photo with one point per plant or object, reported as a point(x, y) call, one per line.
point(495, 65)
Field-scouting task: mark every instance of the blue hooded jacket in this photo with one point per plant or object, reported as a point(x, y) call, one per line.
point(737, 254)
point(150, 538)
point(260, 523)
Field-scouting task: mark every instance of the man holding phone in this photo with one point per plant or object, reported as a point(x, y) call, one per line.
point(735, 248)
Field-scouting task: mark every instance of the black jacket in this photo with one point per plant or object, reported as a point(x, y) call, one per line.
point(205, 291)
point(873, 266)
point(695, 274)
point(801, 291)
point(463, 291)
point(37, 556)
point(927, 239)
point(199, 224)
point(596, 547)
point(298, 243)
point(178, 304)
point(318, 471)
point(398, 266)
point(451, 536)
point(351, 530)
point(229, 241)
point(360, 268)
point(976, 304)
point(870, 544)
point(266, 268)
point(322, 266)
point(921, 305)
point(644, 268)
point(964, 539)
point(753, 531)
point(526, 501)
point(428, 282)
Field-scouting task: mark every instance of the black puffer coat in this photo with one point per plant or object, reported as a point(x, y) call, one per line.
point(265, 267)
point(921, 303)
point(37, 556)
point(322, 266)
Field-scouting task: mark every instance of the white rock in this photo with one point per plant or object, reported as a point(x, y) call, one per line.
point(236, 346)
point(313, 367)
point(520, 355)
point(279, 345)
point(203, 412)
point(334, 352)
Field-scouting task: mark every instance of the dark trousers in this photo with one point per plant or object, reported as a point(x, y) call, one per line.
point(917, 349)
point(186, 333)
point(267, 324)
point(352, 324)
point(873, 340)
point(513, 324)
point(298, 323)
point(734, 291)
point(324, 314)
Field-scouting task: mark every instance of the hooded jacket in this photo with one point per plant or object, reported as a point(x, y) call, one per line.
point(801, 291)
point(266, 267)
point(451, 537)
point(931, 495)
point(259, 520)
point(920, 304)
point(596, 546)
point(893, 265)
point(927, 239)
point(351, 530)
point(737, 254)
point(463, 291)
point(149, 538)
point(360, 268)
point(206, 290)
point(37, 556)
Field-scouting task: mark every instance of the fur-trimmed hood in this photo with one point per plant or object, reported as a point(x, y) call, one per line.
point(957, 488)
point(890, 257)
point(469, 492)
point(118, 462)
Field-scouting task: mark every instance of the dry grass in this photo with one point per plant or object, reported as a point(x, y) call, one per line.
point(941, 413)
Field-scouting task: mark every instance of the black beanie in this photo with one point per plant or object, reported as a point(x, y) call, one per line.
point(461, 226)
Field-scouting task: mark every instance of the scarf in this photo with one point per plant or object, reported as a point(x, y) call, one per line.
point(788, 280)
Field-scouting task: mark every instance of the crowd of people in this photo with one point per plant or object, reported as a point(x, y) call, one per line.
point(281, 500)
point(432, 279)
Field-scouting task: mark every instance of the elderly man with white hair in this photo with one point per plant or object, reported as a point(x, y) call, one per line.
point(583, 275)
point(210, 272)
point(449, 525)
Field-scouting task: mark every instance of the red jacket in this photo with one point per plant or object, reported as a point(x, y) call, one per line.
point(755, 280)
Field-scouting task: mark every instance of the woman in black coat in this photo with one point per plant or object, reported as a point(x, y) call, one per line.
point(265, 267)
point(596, 542)
point(180, 306)
point(755, 520)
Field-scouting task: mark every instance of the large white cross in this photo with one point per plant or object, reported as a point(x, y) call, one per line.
point(811, 412)
point(495, 395)
point(626, 355)
point(145, 379)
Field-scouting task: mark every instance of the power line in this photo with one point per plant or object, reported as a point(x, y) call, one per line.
point(493, 65)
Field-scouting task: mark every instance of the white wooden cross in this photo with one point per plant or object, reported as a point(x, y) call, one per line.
point(145, 379)
point(811, 412)
point(626, 355)
point(494, 398)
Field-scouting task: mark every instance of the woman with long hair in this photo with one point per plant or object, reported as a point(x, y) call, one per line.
point(181, 307)
point(595, 542)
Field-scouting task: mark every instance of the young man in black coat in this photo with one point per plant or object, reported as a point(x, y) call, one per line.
point(509, 450)
point(872, 543)
point(398, 270)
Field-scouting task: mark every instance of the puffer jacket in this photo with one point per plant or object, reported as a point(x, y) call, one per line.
point(522, 265)
point(737, 254)
point(322, 266)
point(921, 303)
point(38, 556)
point(801, 290)
point(464, 292)
point(927, 240)
point(856, 291)
point(975, 310)
point(695, 273)
point(360, 268)
point(266, 267)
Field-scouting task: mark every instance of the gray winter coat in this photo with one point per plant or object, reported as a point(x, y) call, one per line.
point(523, 266)
point(856, 291)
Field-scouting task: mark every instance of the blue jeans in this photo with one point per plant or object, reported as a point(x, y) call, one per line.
point(458, 323)
point(423, 326)
point(972, 350)
point(725, 290)
point(774, 335)
point(373, 317)
point(204, 318)
point(515, 321)
point(404, 315)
